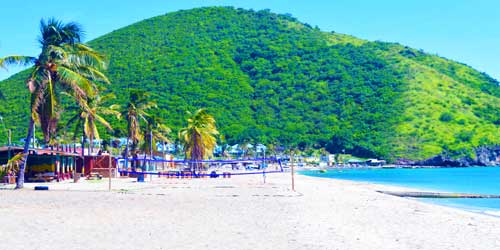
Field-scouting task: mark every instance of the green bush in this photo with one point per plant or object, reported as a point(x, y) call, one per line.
point(446, 117)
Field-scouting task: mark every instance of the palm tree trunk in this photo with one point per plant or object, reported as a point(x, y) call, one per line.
point(134, 162)
point(84, 137)
point(89, 153)
point(126, 154)
point(144, 162)
point(163, 154)
point(20, 175)
point(151, 144)
point(146, 150)
point(83, 149)
point(196, 153)
point(91, 144)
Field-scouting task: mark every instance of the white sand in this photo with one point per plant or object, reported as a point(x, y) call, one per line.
point(236, 213)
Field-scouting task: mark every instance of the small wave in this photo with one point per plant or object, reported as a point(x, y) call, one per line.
point(492, 212)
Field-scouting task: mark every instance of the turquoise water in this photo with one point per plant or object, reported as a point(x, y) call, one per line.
point(476, 180)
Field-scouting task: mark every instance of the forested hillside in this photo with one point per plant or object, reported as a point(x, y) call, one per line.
point(269, 78)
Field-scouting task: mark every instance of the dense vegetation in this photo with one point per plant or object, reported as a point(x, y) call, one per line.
point(269, 78)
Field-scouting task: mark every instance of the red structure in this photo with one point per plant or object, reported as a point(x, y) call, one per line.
point(98, 164)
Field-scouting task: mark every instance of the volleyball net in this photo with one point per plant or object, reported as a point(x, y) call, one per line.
point(198, 169)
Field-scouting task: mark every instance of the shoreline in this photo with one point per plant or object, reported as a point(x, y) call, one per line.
point(396, 166)
point(382, 188)
point(441, 196)
point(386, 189)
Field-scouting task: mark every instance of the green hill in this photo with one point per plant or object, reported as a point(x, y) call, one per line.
point(273, 79)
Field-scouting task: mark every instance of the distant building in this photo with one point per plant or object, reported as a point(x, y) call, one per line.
point(375, 162)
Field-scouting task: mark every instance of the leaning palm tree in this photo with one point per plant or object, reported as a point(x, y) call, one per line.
point(199, 137)
point(134, 112)
point(64, 64)
point(88, 116)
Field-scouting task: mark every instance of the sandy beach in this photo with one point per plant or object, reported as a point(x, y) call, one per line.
point(237, 213)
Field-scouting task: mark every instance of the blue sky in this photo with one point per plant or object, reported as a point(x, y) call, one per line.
point(463, 30)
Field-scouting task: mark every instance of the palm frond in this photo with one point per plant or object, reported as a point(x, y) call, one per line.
point(57, 52)
point(54, 32)
point(106, 97)
point(90, 57)
point(80, 87)
point(87, 127)
point(72, 32)
point(147, 105)
point(17, 60)
point(103, 122)
point(199, 137)
point(94, 74)
point(15, 161)
point(95, 132)
point(109, 111)
point(115, 107)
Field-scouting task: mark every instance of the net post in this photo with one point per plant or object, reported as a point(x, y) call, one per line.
point(293, 173)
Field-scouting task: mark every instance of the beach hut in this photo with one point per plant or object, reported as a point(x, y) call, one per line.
point(45, 164)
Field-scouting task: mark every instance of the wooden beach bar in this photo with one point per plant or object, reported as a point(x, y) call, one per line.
point(46, 164)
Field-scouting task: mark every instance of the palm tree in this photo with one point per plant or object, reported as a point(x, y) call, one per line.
point(64, 64)
point(134, 112)
point(271, 149)
point(89, 115)
point(155, 131)
point(199, 137)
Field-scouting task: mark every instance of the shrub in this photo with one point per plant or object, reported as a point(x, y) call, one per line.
point(446, 117)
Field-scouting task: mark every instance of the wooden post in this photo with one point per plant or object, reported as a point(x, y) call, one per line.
point(75, 179)
point(109, 168)
point(151, 162)
point(293, 172)
point(163, 154)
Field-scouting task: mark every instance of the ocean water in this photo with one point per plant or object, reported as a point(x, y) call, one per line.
point(474, 180)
